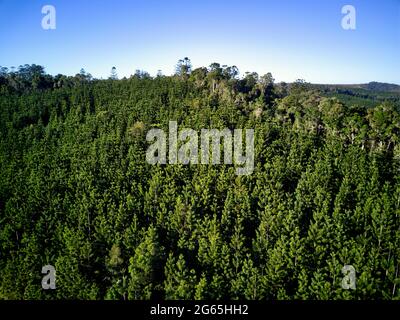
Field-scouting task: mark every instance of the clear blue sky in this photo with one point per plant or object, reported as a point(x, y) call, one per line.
point(290, 38)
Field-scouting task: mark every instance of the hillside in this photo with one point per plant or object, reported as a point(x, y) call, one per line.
point(77, 192)
point(367, 95)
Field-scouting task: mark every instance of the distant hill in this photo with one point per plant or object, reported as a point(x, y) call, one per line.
point(380, 86)
point(371, 86)
point(368, 94)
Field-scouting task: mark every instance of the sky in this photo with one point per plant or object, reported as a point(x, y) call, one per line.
point(292, 39)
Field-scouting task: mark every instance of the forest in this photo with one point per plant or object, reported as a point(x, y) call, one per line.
point(77, 193)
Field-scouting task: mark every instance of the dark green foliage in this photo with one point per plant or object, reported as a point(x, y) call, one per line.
point(76, 191)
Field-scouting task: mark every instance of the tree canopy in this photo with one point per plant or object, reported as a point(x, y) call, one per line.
point(77, 193)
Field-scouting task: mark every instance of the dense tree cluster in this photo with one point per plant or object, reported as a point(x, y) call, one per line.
point(76, 191)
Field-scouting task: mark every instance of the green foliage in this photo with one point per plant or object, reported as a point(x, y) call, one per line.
point(76, 191)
